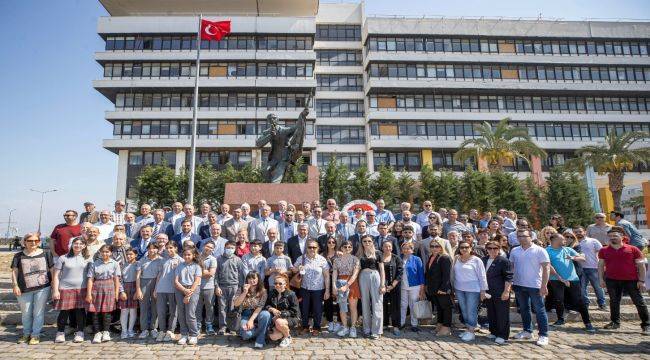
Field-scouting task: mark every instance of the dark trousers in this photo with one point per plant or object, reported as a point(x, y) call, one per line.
point(77, 319)
point(311, 306)
point(101, 321)
point(572, 295)
point(392, 307)
point(330, 308)
point(443, 305)
point(615, 290)
point(498, 313)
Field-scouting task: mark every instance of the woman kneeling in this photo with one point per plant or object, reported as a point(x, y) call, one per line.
point(282, 304)
point(250, 301)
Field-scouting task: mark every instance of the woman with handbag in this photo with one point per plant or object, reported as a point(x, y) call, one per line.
point(412, 288)
point(470, 285)
point(498, 272)
point(372, 282)
point(282, 304)
point(314, 286)
point(249, 303)
point(438, 285)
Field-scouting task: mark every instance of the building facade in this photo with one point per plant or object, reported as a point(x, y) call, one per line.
point(404, 92)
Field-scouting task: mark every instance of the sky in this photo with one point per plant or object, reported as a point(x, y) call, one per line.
point(52, 120)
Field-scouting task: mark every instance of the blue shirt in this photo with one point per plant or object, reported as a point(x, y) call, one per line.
point(561, 264)
point(385, 216)
point(635, 236)
point(288, 230)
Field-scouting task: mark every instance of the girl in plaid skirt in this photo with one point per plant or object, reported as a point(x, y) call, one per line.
point(103, 291)
point(69, 289)
point(128, 303)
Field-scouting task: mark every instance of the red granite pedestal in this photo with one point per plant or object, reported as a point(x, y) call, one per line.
point(239, 193)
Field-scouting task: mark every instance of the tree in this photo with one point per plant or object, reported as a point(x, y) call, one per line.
point(383, 185)
point(508, 192)
point(499, 145)
point(404, 187)
point(427, 181)
point(617, 156)
point(249, 174)
point(476, 191)
point(359, 185)
point(295, 174)
point(537, 210)
point(567, 195)
point(445, 190)
point(635, 203)
point(157, 184)
point(333, 181)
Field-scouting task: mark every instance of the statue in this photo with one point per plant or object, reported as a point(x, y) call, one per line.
point(286, 145)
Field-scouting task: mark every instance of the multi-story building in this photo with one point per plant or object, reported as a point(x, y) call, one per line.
point(388, 90)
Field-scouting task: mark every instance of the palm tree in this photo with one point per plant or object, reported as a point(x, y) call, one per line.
point(635, 203)
point(615, 157)
point(499, 145)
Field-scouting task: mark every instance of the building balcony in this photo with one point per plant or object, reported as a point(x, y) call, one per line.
point(218, 55)
point(233, 113)
point(452, 142)
point(230, 142)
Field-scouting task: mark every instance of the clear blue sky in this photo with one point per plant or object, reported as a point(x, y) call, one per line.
point(53, 120)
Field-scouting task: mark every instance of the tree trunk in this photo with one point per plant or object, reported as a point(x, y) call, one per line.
point(636, 215)
point(616, 187)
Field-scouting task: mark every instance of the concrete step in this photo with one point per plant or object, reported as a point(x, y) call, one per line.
point(11, 305)
point(14, 317)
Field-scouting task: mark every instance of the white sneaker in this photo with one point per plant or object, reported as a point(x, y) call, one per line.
point(144, 334)
point(259, 346)
point(124, 335)
point(78, 337)
point(154, 333)
point(60, 337)
point(353, 332)
point(469, 336)
point(462, 334)
point(542, 341)
point(160, 337)
point(106, 336)
point(98, 338)
point(337, 327)
point(182, 340)
point(286, 342)
point(499, 341)
point(192, 340)
point(330, 327)
point(131, 334)
point(169, 336)
point(344, 331)
point(490, 336)
point(523, 335)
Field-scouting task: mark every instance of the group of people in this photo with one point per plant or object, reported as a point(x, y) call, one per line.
point(267, 274)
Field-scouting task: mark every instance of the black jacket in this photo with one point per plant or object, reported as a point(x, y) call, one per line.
point(498, 274)
point(292, 248)
point(267, 251)
point(437, 277)
point(287, 304)
point(394, 270)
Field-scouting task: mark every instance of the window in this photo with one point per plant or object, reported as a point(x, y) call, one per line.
point(339, 108)
point(339, 82)
point(219, 159)
point(352, 160)
point(338, 57)
point(340, 134)
point(398, 161)
point(338, 32)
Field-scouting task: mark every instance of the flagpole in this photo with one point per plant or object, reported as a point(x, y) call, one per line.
point(190, 186)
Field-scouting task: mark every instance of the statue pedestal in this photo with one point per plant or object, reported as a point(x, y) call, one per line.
point(239, 193)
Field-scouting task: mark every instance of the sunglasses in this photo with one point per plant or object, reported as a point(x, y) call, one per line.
point(32, 241)
point(346, 247)
point(280, 284)
point(312, 247)
point(434, 246)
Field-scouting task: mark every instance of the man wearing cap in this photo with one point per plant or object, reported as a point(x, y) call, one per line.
point(636, 239)
point(598, 230)
point(90, 215)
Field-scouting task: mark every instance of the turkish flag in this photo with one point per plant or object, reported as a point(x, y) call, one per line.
point(214, 30)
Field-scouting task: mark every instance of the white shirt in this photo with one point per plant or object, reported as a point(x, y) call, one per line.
point(317, 227)
point(219, 244)
point(302, 243)
point(590, 247)
point(372, 229)
point(470, 275)
point(105, 230)
point(223, 218)
point(527, 265)
point(118, 218)
point(416, 228)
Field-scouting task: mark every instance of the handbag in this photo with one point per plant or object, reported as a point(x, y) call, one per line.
point(422, 310)
point(296, 279)
point(233, 318)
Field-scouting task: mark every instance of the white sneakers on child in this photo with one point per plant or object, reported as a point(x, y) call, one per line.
point(192, 340)
point(286, 342)
point(333, 327)
point(160, 337)
point(343, 332)
point(154, 333)
point(144, 334)
point(182, 340)
point(542, 341)
point(78, 337)
point(169, 336)
point(98, 338)
point(468, 336)
point(106, 336)
point(353, 332)
point(523, 335)
point(60, 337)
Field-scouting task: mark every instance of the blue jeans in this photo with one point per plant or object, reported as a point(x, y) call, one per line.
point(342, 297)
point(259, 332)
point(526, 296)
point(468, 302)
point(590, 276)
point(32, 310)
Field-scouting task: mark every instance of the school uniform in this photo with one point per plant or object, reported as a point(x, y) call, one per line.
point(187, 274)
point(166, 294)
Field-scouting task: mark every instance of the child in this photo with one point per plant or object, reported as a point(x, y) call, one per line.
point(69, 284)
point(166, 295)
point(128, 303)
point(145, 281)
point(254, 261)
point(228, 280)
point(277, 264)
point(102, 292)
point(206, 295)
point(187, 279)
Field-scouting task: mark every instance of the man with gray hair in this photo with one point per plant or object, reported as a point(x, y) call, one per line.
point(117, 216)
point(598, 230)
point(231, 227)
point(282, 208)
point(159, 225)
point(297, 244)
point(105, 225)
point(246, 212)
point(258, 228)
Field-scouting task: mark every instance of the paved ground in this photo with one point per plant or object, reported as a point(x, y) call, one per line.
point(569, 343)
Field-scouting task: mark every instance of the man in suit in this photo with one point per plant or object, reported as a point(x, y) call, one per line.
point(215, 237)
point(177, 211)
point(225, 214)
point(90, 215)
point(140, 245)
point(330, 231)
point(231, 226)
point(258, 228)
point(287, 228)
point(204, 230)
point(434, 235)
point(297, 245)
point(355, 239)
point(261, 204)
point(185, 235)
point(344, 229)
point(282, 208)
point(246, 213)
point(384, 236)
point(160, 226)
point(317, 224)
point(196, 221)
point(267, 247)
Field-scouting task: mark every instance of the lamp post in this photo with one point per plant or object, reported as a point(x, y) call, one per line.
point(9, 223)
point(40, 213)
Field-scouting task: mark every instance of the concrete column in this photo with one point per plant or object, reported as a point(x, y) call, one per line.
point(370, 160)
point(122, 168)
point(256, 158)
point(313, 157)
point(536, 170)
point(180, 160)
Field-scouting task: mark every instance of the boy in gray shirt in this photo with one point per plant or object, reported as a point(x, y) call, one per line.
point(228, 279)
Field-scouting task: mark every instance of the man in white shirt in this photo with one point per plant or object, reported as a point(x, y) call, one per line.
point(590, 248)
point(177, 211)
point(105, 225)
point(288, 228)
point(196, 221)
point(406, 220)
point(258, 228)
point(372, 223)
point(531, 268)
point(205, 212)
point(296, 246)
point(317, 224)
point(423, 217)
point(225, 214)
point(117, 216)
point(219, 242)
